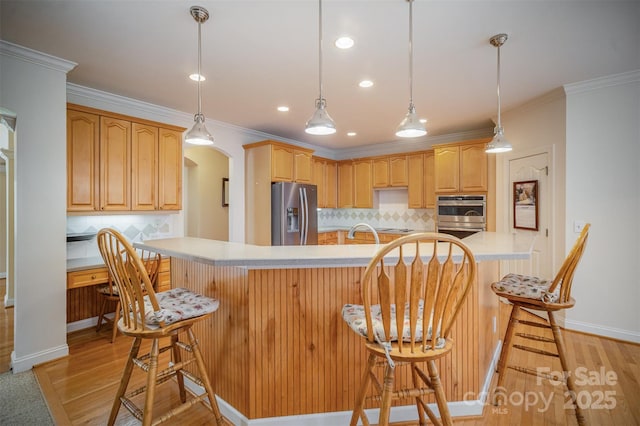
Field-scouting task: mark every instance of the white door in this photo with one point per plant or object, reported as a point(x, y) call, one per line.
point(534, 168)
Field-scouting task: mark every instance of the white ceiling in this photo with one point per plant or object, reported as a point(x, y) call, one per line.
point(260, 54)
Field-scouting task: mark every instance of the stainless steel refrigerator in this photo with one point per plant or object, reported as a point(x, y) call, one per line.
point(294, 214)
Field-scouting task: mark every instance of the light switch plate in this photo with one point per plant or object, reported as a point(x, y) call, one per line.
point(578, 225)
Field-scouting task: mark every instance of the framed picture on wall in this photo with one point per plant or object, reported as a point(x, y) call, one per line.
point(225, 192)
point(525, 205)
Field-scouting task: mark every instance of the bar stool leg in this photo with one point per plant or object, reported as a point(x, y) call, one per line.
point(204, 376)
point(557, 336)
point(116, 318)
point(176, 359)
point(358, 411)
point(124, 381)
point(151, 383)
point(506, 348)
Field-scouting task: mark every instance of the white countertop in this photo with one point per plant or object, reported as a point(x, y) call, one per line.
point(486, 246)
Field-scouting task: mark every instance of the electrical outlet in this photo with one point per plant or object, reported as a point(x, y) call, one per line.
point(578, 225)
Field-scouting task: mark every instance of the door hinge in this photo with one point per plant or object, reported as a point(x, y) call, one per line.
point(546, 232)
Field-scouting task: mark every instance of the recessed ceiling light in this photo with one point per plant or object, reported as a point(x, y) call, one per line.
point(423, 120)
point(365, 83)
point(351, 134)
point(283, 108)
point(344, 42)
point(195, 76)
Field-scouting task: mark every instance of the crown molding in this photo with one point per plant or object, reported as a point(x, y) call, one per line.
point(35, 57)
point(408, 145)
point(602, 82)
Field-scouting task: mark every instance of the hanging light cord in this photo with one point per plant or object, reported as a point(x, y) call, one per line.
point(410, 54)
point(320, 49)
point(199, 115)
point(498, 88)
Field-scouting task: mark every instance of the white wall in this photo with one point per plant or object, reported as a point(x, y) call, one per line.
point(34, 87)
point(603, 187)
point(3, 218)
point(538, 126)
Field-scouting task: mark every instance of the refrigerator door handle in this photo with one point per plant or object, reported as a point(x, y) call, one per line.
point(306, 215)
point(303, 218)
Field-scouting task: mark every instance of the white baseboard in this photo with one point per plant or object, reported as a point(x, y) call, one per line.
point(600, 330)
point(82, 324)
point(8, 302)
point(24, 363)
point(467, 408)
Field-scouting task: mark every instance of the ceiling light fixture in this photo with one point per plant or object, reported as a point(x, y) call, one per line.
point(199, 135)
point(411, 127)
point(365, 83)
point(344, 42)
point(196, 77)
point(283, 108)
point(499, 143)
point(320, 122)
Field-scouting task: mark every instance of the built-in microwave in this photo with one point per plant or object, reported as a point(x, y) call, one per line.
point(461, 215)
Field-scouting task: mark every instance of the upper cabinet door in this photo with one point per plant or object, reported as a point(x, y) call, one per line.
point(281, 164)
point(380, 173)
point(331, 177)
point(170, 170)
point(429, 180)
point(398, 170)
point(144, 167)
point(415, 189)
point(302, 166)
point(473, 168)
point(447, 169)
point(83, 154)
point(345, 184)
point(115, 164)
point(362, 184)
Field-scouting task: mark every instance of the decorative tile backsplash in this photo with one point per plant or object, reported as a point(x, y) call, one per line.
point(135, 227)
point(391, 212)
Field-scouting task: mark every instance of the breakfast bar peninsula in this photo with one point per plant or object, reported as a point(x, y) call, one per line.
point(278, 348)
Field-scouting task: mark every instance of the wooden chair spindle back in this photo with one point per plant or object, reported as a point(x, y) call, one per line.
point(564, 277)
point(130, 276)
point(440, 287)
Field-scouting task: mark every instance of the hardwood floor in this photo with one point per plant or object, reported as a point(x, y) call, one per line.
point(79, 388)
point(6, 331)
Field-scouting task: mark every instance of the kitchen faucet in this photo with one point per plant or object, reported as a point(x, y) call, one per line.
point(366, 225)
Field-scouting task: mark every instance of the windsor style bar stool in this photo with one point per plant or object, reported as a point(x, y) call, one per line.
point(155, 316)
point(406, 317)
point(535, 293)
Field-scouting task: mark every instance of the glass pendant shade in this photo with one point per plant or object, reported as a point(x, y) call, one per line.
point(411, 127)
point(199, 135)
point(499, 143)
point(320, 123)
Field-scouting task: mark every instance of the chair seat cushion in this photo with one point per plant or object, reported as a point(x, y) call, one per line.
point(176, 305)
point(107, 289)
point(526, 286)
point(354, 316)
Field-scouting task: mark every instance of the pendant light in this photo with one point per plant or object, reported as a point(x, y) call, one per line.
point(320, 122)
point(411, 127)
point(199, 135)
point(499, 143)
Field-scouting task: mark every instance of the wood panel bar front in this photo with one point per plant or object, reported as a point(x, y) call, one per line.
point(278, 346)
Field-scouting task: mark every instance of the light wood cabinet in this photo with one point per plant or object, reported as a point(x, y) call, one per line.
point(324, 177)
point(345, 184)
point(170, 170)
point(362, 184)
point(429, 180)
point(289, 164)
point(117, 163)
point(415, 189)
point(389, 171)
point(144, 167)
point(461, 167)
point(83, 154)
point(380, 172)
point(87, 277)
point(398, 173)
point(328, 238)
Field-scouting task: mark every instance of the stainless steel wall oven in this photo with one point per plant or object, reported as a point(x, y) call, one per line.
point(461, 215)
